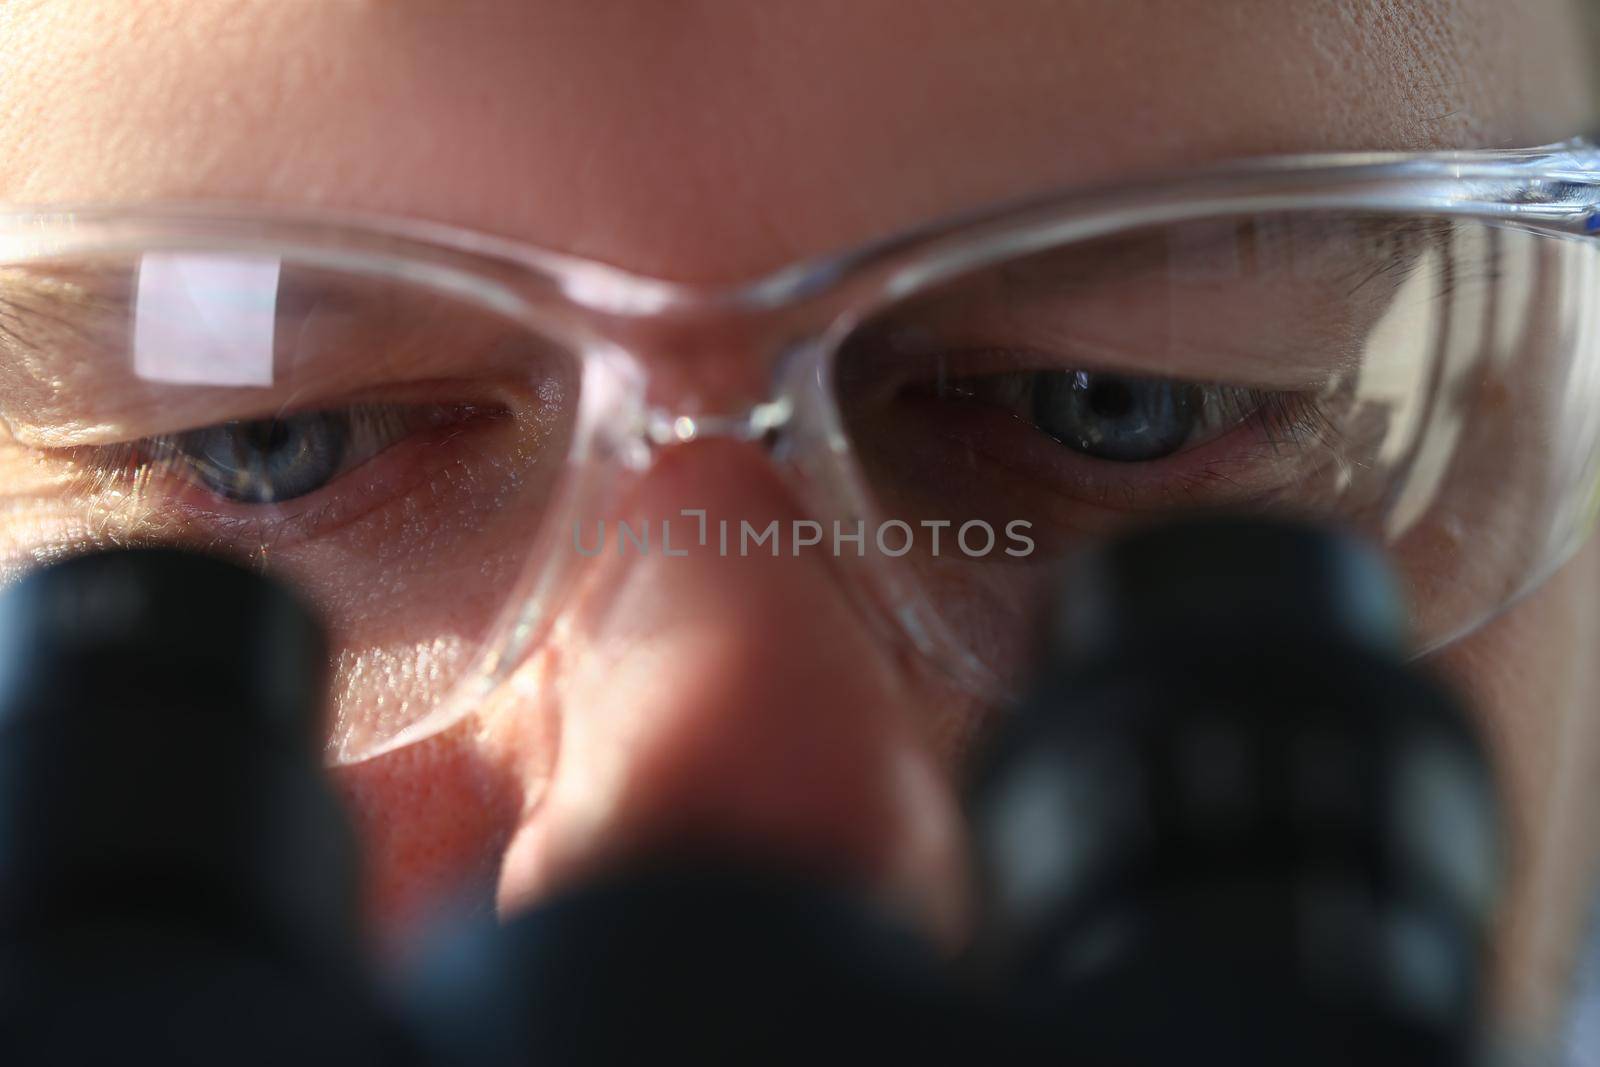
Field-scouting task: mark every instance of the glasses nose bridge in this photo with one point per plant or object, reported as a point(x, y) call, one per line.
point(665, 427)
point(721, 377)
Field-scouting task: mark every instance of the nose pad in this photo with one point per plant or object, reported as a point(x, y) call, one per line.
point(735, 702)
point(761, 423)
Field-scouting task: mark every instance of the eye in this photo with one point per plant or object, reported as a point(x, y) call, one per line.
point(287, 477)
point(267, 461)
point(1105, 416)
point(280, 459)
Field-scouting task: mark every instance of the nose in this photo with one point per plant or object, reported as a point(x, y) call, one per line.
point(735, 702)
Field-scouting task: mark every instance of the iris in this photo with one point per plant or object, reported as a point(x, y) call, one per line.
point(265, 461)
point(1113, 417)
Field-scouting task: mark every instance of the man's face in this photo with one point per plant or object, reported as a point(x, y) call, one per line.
point(745, 700)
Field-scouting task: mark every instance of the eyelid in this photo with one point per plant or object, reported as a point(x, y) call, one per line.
point(1119, 307)
point(246, 405)
point(67, 367)
point(978, 361)
point(374, 420)
point(1305, 359)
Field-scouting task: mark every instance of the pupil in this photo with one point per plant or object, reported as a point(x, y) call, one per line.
point(266, 435)
point(1110, 399)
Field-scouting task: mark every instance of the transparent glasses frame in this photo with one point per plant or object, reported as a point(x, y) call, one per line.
point(790, 323)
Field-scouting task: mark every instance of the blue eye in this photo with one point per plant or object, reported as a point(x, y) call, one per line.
point(266, 461)
point(1125, 418)
point(1114, 417)
point(278, 459)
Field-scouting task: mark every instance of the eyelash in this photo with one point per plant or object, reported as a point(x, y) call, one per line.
point(1296, 419)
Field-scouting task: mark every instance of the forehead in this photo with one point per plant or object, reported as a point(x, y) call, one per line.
point(715, 140)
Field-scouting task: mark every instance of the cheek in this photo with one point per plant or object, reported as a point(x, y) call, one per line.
point(1530, 676)
point(435, 819)
point(1533, 678)
point(432, 820)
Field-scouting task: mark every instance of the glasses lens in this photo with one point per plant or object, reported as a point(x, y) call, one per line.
point(1430, 383)
point(389, 449)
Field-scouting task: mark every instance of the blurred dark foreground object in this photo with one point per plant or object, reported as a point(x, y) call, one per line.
point(177, 883)
point(1229, 824)
point(1232, 824)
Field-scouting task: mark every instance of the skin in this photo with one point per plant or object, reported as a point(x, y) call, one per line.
point(712, 142)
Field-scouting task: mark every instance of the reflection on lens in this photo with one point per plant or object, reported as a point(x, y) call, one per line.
point(1398, 375)
point(391, 449)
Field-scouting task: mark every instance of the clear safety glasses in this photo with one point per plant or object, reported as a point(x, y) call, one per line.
point(431, 431)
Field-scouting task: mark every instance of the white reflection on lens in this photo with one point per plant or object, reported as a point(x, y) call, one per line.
point(205, 319)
